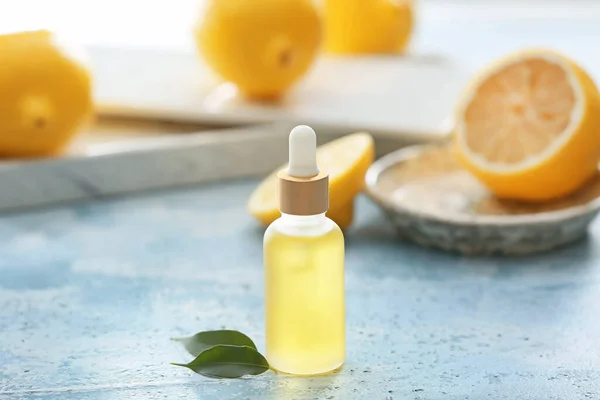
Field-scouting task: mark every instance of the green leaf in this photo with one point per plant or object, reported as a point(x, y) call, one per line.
point(205, 340)
point(226, 361)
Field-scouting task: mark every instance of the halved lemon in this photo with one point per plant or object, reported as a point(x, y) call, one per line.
point(529, 126)
point(345, 159)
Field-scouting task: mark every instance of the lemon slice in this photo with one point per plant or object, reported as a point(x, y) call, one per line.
point(529, 126)
point(345, 159)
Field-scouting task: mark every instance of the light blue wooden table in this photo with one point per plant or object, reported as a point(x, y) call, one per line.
point(90, 295)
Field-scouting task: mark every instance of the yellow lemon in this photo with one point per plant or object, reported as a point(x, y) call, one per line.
point(262, 46)
point(345, 159)
point(529, 126)
point(45, 95)
point(343, 216)
point(368, 26)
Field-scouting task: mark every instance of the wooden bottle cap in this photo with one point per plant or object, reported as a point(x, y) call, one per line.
point(303, 196)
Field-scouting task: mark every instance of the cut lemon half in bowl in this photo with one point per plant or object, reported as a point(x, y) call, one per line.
point(529, 126)
point(346, 159)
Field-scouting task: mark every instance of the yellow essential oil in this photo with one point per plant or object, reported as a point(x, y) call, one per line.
point(304, 269)
point(305, 311)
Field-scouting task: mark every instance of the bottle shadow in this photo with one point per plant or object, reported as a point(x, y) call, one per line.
point(322, 386)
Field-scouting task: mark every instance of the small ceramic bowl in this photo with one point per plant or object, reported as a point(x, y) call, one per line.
point(433, 201)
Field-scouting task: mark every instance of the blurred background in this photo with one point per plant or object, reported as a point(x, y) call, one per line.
point(472, 30)
point(145, 63)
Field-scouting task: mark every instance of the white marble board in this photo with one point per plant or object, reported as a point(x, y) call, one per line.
point(393, 96)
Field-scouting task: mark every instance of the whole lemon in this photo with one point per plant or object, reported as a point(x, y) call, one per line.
point(262, 46)
point(45, 94)
point(368, 26)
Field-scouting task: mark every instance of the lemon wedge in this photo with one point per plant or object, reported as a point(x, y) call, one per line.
point(345, 159)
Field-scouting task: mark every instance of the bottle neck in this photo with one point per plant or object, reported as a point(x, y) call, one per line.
point(304, 220)
point(303, 225)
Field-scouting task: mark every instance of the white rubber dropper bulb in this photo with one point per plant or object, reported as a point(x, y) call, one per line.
point(303, 152)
